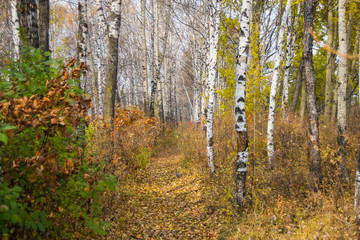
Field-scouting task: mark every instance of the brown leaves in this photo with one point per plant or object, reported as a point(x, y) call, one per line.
point(49, 114)
point(56, 108)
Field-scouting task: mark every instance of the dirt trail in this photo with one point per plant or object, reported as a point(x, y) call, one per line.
point(164, 202)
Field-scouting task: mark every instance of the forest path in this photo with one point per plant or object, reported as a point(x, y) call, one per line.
point(164, 202)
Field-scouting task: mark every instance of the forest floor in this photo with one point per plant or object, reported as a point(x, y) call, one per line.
point(166, 201)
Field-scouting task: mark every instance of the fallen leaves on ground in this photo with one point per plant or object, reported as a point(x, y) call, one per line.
point(164, 202)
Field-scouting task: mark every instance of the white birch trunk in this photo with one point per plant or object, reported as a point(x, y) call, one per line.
point(100, 14)
point(82, 35)
point(274, 82)
point(14, 30)
point(290, 49)
point(197, 69)
point(144, 52)
point(342, 82)
point(215, 6)
point(240, 117)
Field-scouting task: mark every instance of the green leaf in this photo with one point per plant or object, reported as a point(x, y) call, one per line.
point(41, 227)
point(35, 215)
point(3, 138)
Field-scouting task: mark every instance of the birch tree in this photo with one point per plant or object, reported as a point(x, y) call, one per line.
point(82, 38)
point(240, 117)
point(215, 6)
point(274, 82)
point(342, 82)
point(290, 49)
point(112, 59)
point(144, 51)
point(313, 115)
point(14, 30)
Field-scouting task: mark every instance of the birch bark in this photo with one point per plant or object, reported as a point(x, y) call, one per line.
point(112, 59)
point(215, 6)
point(342, 82)
point(274, 82)
point(240, 117)
point(290, 49)
point(144, 51)
point(82, 35)
point(14, 30)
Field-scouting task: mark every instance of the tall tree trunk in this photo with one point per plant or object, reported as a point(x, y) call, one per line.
point(303, 101)
point(329, 68)
point(349, 28)
point(335, 84)
point(14, 30)
point(274, 83)
point(44, 25)
point(154, 80)
point(290, 49)
point(158, 58)
point(313, 115)
point(299, 79)
point(240, 116)
point(342, 81)
point(215, 7)
point(112, 59)
point(82, 39)
point(197, 69)
point(144, 52)
point(95, 86)
point(27, 13)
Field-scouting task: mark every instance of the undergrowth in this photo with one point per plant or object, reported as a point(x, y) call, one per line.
point(280, 202)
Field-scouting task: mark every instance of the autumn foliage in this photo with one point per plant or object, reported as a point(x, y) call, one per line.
point(48, 182)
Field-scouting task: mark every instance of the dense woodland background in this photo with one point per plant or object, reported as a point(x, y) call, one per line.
point(189, 119)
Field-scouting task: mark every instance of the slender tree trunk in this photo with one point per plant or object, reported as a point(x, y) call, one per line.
point(112, 59)
point(349, 28)
point(158, 58)
point(14, 30)
point(313, 115)
point(290, 49)
point(154, 80)
point(215, 7)
point(95, 86)
point(100, 14)
point(342, 81)
point(335, 84)
point(144, 51)
point(240, 116)
point(299, 80)
point(82, 35)
point(27, 13)
point(197, 69)
point(329, 69)
point(274, 83)
point(303, 100)
point(44, 25)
